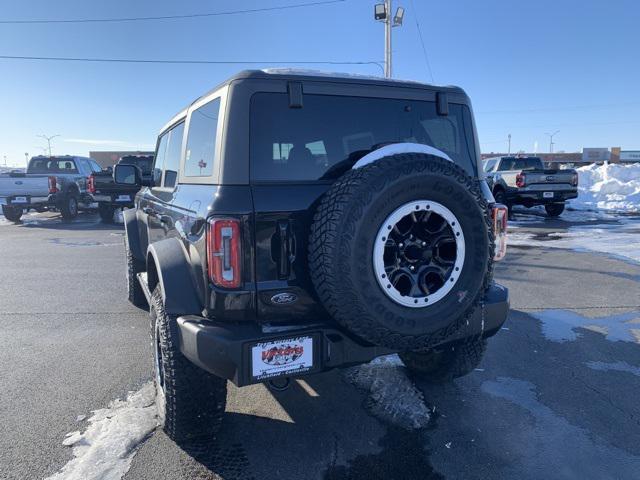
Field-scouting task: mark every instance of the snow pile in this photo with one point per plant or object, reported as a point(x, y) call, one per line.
point(609, 187)
point(392, 395)
point(105, 450)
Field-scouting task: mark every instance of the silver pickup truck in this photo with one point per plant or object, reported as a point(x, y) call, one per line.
point(525, 181)
point(50, 183)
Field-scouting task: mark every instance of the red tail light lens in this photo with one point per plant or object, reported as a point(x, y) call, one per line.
point(91, 184)
point(500, 214)
point(53, 185)
point(223, 252)
point(521, 180)
point(574, 180)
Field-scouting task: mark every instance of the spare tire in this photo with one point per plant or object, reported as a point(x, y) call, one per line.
point(401, 250)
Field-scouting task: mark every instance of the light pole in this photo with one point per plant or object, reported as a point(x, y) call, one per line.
point(551, 135)
point(26, 158)
point(48, 139)
point(509, 140)
point(382, 12)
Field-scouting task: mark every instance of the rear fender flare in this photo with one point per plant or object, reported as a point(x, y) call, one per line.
point(168, 266)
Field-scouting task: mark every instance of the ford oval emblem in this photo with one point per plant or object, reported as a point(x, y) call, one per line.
point(284, 298)
point(550, 178)
point(18, 182)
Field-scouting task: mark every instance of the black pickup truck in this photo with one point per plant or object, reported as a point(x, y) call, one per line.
point(112, 196)
point(297, 223)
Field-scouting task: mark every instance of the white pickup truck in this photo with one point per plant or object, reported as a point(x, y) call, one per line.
point(519, 180)
point(50, 183)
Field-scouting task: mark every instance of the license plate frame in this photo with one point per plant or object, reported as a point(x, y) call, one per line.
point(21, 200)
point(123, 198)
point(283, 357)
point(547, 194)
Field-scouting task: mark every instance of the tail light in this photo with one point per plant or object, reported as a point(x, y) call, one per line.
point(223, 252)
point(574, 180)
point(91, 184)
point(53, 185)
point(499, 214)
point(521, 180)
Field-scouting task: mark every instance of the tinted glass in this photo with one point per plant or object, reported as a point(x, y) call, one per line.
point(144, 162)
point(330, 133)
point(488, 165)
point(514, 163)
point(95, 167)
point(172, 156)
point(201, 140)
point(52, 165)
point(159, 163)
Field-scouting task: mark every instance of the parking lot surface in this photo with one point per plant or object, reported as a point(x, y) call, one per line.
point(555, 396)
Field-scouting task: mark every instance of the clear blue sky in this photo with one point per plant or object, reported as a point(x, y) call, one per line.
point(530, 67)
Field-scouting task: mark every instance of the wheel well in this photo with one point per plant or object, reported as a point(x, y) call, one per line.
point(498, 188)
point(152, 273)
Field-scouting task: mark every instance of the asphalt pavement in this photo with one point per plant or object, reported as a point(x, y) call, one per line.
point(555, 396)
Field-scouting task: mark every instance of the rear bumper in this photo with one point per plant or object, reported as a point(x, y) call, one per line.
point(226, 350)
point(31, 200)
point(537, 196)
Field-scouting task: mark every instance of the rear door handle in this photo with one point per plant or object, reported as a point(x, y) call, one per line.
point(149, 211)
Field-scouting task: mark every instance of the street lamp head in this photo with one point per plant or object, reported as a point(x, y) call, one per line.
point(380, 11)
point(397, 19)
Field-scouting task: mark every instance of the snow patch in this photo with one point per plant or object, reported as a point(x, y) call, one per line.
point(608, 187)
point(105, 450)
point(392, 396)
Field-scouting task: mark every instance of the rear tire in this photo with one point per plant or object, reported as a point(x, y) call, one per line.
point(190, 401)
point(69, 207)
point(106, 212)
point(12, 214)
point(554, 209)
point(443, 366)
point(135, 294)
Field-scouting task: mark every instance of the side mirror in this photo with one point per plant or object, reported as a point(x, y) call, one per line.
point(127, 175)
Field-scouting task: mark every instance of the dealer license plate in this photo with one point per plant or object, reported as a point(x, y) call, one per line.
point(123, 198)
point(547, 195)
point(19, 200)
point(281, 357)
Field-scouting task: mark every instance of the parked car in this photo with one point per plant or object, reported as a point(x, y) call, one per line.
point(524, 181)
point(112, 196)
point(50, 183)
point(298, 223)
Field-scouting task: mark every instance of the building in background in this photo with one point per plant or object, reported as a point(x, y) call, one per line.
point(579, 159)
point(110, 158)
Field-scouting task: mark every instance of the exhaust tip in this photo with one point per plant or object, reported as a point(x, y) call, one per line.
point(279, 384)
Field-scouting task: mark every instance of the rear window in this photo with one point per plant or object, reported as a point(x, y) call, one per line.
point(330, 133)
point(532, 163)
point(52, 165)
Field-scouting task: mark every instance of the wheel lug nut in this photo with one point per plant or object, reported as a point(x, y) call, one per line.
point(401, 245)
point(424, 244)
point(412, 268)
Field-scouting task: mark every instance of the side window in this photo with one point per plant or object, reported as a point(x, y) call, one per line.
point(505, 164)
point(94, 166)
point(159, 163)
point(201, 140)
point(172, 156)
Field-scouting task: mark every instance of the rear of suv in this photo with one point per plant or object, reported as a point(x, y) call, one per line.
point(300, 222)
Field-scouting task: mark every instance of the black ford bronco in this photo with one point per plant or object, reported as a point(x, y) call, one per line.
point(300, 222)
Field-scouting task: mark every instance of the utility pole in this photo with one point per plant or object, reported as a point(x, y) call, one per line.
point(26, 158)
point(551, 135)
point(382, 12)
point(509, 140)
point(48, 139)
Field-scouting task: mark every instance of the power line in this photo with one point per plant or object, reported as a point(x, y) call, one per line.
point(174, 17)
point(193, 62)
point(424, 49)
point(559, 109)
